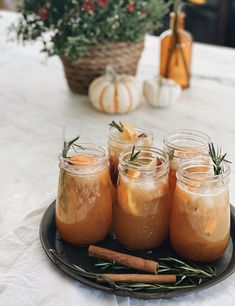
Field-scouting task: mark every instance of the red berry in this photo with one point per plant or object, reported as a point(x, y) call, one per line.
point(102, 3)
point(130, 7)
point(89, 6)
point(43, 13)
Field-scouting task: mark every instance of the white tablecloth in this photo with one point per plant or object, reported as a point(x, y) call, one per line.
point(28, 278)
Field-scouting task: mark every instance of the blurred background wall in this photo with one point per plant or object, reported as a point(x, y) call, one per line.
point(213, 23)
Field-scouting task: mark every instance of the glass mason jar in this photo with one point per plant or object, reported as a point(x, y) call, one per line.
point(200, 216)
point(183, 145)
point(84, 204)
point(141, 214)
point(176, 51)
point(116, 145)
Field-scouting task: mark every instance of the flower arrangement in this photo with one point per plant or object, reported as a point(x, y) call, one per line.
point(72, 27)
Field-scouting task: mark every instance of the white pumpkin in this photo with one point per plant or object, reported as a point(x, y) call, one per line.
point(161, 92)
point(113, 93)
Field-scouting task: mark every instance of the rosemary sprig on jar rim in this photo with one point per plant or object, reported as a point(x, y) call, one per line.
point(217, 158)
point(134, 157)
point(119, 126)
point(71, 144)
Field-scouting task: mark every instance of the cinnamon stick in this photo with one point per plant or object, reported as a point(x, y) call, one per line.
point(139, 278)
point(124, 259)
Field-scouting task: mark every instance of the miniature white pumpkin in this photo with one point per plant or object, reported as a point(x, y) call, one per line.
point(113, 93)
point(161, 92)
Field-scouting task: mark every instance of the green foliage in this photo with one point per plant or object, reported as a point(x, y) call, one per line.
point(71, 27)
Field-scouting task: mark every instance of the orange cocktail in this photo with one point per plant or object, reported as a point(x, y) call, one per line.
point(120, 140)
point(141, 215)
point(180, 146)
point(200, 216)
point(84, 204)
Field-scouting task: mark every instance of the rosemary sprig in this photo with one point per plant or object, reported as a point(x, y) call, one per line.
point(68, 144)
point(217, 158)
point(189, 269)
point(119, 126)
point(106, 265)
point(133, 157)
point(156, 287)
point(167, 264)
point(188, 274)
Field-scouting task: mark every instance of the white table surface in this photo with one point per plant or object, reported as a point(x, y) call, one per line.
point(37, 109)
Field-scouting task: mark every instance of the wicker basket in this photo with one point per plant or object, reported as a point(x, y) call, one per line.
point(123, 57)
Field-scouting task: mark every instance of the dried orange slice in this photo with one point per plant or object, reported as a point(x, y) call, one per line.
point(131, 206)
point(133, 173)
point(82, 160)
point(129, 132)
point(200, 179)
point(125, 197)
point(152, 164)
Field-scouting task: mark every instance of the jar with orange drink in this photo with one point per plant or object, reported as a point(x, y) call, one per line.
point(180, 146)
point(200, 216)
point(84, 203)
point(122, 136)
point(141, 214)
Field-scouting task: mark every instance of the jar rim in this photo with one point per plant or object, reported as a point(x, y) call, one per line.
point(123, 141)
point(156, 172)
point(201, 138)
point(183, 173)
point(87, 146)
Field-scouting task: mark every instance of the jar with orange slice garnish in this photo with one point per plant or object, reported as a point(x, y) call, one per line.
point(141, 214)
point(200, 216)
point(121, 136)
point(182, 145)
point(84, 203)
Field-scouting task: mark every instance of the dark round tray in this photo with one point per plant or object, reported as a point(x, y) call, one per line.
point(65, 256)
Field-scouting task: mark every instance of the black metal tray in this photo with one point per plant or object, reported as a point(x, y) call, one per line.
point(66, 256)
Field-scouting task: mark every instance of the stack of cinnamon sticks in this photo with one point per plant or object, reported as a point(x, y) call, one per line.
point(133, 262)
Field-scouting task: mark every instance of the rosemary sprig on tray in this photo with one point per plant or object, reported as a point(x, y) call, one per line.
point(188, 274)
point(119, 126)
point(133, 157)
point(154, 287)
point(103, 265)
point(217, 158)
point(70, 144)
point(185, 268)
